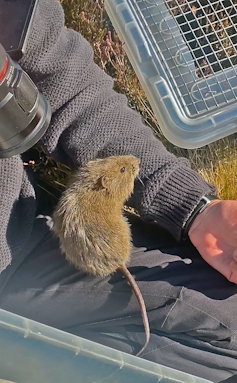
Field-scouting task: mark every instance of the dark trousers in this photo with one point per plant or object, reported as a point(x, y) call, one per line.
point(192, 309)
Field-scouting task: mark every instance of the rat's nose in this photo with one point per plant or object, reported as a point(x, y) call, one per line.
point(138, 161)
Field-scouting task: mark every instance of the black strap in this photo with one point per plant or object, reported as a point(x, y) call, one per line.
point(205, 200)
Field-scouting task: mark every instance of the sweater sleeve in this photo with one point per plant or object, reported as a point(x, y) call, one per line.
point(91, 120)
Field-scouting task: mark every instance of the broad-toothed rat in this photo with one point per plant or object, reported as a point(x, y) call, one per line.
point(88, 220)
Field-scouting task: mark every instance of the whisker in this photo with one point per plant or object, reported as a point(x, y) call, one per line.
point(140, 180)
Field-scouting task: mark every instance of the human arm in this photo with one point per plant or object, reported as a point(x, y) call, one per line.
point(91, 120)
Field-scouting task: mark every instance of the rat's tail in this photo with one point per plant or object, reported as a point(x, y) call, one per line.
point(141, 302)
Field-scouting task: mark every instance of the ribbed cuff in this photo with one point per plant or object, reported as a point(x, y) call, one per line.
point(176, 200)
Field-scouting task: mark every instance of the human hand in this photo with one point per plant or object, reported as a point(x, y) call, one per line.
point(214, 234)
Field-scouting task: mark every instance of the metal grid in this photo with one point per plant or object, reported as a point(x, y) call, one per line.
point(209, 29)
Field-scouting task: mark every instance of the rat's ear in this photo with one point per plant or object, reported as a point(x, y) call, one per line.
point(103, 182)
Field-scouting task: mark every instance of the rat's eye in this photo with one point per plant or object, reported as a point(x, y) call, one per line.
point(122, 170)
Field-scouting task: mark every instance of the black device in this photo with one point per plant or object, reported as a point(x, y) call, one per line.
point(24, 112)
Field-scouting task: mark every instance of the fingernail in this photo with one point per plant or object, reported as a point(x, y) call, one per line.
point(235, 254)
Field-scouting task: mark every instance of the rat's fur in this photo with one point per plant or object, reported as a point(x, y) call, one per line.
point(93, 233)
point(89, 221)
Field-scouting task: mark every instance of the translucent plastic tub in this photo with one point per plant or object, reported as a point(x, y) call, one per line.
point(185, 56)
point(33, 353)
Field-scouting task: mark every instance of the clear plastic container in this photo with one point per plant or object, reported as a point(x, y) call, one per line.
point(184, 54)
point(34, 353)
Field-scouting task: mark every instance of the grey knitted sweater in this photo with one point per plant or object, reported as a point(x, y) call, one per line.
point(89, 120)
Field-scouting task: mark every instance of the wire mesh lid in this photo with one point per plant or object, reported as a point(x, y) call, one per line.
point(185, 55)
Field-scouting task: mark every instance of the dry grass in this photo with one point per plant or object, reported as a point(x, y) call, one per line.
point(221, 169)
point(217, 163)
point(223, 175)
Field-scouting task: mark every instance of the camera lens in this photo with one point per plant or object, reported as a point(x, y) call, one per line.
point(24, 112)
